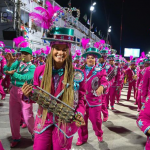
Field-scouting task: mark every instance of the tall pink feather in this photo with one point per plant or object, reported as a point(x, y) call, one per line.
point(143, 55)
point(131, 57)
point(48, 50)
point(85, 43)
point(44, 18)
point(78, 52)
point(97, 45)
point(106, 48)
point(20, 42)
point(102, 42)
point(2, 44)
point(12, 50)
point(7, 50)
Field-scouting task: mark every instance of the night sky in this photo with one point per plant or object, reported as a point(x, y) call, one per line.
point(135, 24)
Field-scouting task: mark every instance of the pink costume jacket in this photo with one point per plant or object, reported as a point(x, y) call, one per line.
point(79, 101)
point(108, 69)
point(130, 73)
point(2, 64)
point(140, 75)
point(143, 121)
point(117, 79)
point(145, 89)
point(95, 79)
point(41, 63)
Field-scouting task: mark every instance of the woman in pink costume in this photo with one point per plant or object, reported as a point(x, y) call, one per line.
point(96, 84)
point(59, 78)
point(143, 120)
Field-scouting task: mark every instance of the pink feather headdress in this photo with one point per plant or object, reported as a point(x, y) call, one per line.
point(48, 50)
point(20, 42)
point(2, 44)
point(131, 57)
point(97, 45)
point(78, 52)
point(7, 50)
point(143, 55)
point(73, 56)
point(45, 17)
point(102, 43)
point(85, 43)
point(12, 50)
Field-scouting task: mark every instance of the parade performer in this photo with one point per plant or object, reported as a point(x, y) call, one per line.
point(139, 83)
point(41, 56)
point(20, 72)
point(131, 77)
point(6, 81)
point(143, 120)
point(96, 84)
point(77, 59)
point(116, 84)
point(102, 63)
point(59, 78)
point(2, 75)
point(144, 82)
point(118, 60)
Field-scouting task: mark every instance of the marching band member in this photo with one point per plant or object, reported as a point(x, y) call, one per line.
point(96, 84)
point(20, 72)
point(131, 77)
point(143, 120)
point(2, 75)
point(59, 78)
point(103, 63)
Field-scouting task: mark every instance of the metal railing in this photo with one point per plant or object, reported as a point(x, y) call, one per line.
point(80, 30)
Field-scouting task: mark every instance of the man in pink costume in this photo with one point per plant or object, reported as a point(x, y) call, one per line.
point(108, 69)
point(139, 83)
point(145, 87)
point(118, 65)
point(2, 75)
point(143, 120)
point(21, 72)
point(130, 74)
point(115, 84)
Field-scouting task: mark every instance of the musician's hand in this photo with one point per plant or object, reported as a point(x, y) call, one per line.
point(79, 120)
point(26, 89)
point(10, 59)
point(10, 72)
point(99, 91)
point(148, 132)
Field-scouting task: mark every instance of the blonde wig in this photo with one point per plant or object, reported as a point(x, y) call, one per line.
point(68, 95)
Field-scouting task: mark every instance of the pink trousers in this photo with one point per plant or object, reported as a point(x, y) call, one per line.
point(50, 139)
point(139, 99)
point(6, 82)
point(131, 84)
point(1, 146)
point(118, 94)
point(16, 105)
point(94, 114)
point(104, 106)
point(113, 93)
point(1, 88)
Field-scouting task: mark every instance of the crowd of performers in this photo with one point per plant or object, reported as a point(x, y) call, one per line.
point(88, 82)
point(69, 90)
